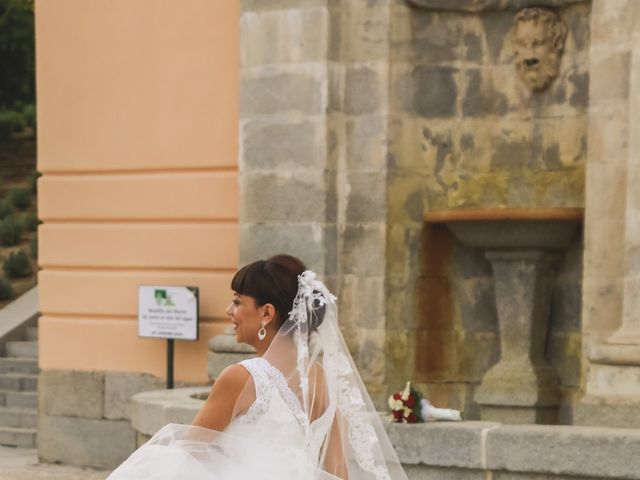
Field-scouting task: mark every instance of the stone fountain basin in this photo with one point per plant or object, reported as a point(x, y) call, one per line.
point(515, 233)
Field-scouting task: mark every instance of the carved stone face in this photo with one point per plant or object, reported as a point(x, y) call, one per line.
point(539, 40)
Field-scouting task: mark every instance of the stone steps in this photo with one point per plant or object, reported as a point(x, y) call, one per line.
point(19, 365)
point(22, 382)
point(18, 437)
point(18, 391)
point(18, 417)
point(28, 349)
point(32, 334)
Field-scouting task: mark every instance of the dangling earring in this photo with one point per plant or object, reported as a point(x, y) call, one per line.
point(262, 332)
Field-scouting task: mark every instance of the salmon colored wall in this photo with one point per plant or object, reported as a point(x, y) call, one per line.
point(137, 142)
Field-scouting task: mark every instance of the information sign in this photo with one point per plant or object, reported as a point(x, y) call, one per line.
point(168, 312)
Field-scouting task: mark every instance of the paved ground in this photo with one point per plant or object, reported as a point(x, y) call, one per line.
point(22, 464)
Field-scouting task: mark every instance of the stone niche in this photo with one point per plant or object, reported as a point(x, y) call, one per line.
point(468, 135)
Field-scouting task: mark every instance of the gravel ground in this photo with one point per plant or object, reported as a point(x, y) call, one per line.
point(22, 464)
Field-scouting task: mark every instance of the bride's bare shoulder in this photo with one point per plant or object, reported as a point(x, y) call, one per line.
point(232, 377)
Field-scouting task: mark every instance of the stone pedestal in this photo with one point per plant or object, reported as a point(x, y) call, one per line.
point(224, 350)
point(522, 387)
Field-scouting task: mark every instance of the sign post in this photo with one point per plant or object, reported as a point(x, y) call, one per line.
point(169, 312)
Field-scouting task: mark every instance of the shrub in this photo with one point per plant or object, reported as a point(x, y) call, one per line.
point(17, 265)
point(6, 291)
point(21, 198)
point(33, 182)
point(6, 208)
point(34, 248)
point(11, 230)
point(29, 115)
point(31, 222)
point(10, 122)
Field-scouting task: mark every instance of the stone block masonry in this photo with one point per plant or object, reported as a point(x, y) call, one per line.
point(85, 416)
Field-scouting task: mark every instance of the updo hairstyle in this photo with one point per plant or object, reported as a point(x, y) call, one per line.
point(275, 281)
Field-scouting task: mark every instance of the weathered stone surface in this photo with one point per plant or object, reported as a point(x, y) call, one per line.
point(363, 250)
point(480, 5)
point(366, 197)
point(276, 145)
point(283, 197)
point(608, 412)
point(426, 37)
point(565, 450)
point(475, 299)
point(284, 36)
point(365, 89)
point(564, 351)
point(483, 94)
point(427, 91)
point(152, 410)
point(422, 472)
point(216, 361)
point(85, 442)
point(315, 244)
point(270, 90)
point(406, 197)
point(72, 393)
point(364, 31)
point(366, 143)
point(614, 380)
point(440, 444)
point(362, 300)
point(370, 357)
point(119, 387)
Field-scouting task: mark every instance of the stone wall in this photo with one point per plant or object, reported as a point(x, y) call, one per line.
point(84, 416)
point(465, 132)
point(611, 312)
point(359, 118)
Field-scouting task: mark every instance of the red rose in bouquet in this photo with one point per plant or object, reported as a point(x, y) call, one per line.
point(406, 406)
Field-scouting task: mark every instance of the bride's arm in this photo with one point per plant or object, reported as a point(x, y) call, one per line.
point(217, 411)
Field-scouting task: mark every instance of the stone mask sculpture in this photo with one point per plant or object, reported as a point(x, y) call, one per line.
point(539, 41)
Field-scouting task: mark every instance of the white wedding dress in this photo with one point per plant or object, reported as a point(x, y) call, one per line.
point(266, 442)
point(310, 418)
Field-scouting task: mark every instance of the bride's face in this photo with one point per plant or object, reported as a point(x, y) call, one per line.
point(246, 318)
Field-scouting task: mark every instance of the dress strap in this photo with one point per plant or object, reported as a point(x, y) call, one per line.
point(256, 367)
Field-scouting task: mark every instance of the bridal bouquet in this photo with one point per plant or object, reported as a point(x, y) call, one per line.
point(409, 406)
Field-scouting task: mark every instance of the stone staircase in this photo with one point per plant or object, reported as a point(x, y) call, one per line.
point(18, 391)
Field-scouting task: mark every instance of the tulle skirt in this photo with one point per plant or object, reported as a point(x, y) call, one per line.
point(194, 453)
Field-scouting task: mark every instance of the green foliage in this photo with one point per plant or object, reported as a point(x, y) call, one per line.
point(17, 54)
point(10, 122)
point(21, 198)
point(34, 247)
point(11, 230)
point(17, 265)
point(29, 115)
point(31, 222)
point(6, 207)
point(33, 182)
point(6, 291)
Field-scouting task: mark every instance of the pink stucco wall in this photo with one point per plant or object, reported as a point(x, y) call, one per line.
point(137, 143)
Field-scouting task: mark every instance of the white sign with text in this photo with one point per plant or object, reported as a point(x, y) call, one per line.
point(168, 312)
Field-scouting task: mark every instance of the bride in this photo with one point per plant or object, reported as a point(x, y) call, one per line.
point(297, 411)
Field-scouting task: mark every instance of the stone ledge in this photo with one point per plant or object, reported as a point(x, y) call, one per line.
point(565, 450)
point(440, 444)
point(482, 5)
point(152, 410)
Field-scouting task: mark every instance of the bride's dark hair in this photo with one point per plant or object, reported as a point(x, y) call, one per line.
point(274, 281)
